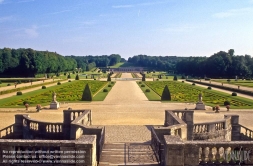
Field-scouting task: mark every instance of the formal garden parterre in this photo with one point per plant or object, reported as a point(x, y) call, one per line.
point(181, 92)
point(68, 92)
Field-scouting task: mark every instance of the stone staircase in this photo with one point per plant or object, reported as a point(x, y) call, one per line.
point(119, 154)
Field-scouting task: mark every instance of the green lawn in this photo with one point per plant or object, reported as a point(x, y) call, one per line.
point(117, 65)
point(152, 96)
point(181, 92)
point(4, 84)
point(67, 92)
point(101, 95)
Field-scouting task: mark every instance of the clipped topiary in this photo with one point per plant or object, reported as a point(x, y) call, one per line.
point(226, 103)
point(58, 83)
point(87, 95)
point(112, 82)
point(234, 94)
point(175, 78)
point(8, 84)
point(19, 82)
point(166, 94)
point(147, 90)
point(193, 83)
point(140, 82)
point(44, 87)
point(182, 81)
point(77, 77)
point(105, 90)
point(142, 85)
point(69, 80)
point(109, 77)
point(69, 76)
point(0, 82)
point(109, 85)
point(19, 93)
point(143, 77)
point(209, 87)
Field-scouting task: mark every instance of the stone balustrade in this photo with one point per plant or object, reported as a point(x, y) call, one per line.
point(246, 133)
point(7, 132)
point(194, 153)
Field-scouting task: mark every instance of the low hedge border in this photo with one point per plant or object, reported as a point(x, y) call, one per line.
point(250, 93)
point(24, 88)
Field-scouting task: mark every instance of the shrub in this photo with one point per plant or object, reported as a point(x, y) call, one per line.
point(175, 78)
point(44, 87)
point(0, 82)
point(142, 85)
point(77, 77)
point(228, 80)
point(69, 76)
point(112, 82)
point(19, 82)
point(147, 90)
point(8, 84)
point(226, 103)
point(95, 79)
point(183, 77)
point(69, 80)
point(19, 93)
point(143, 77)
point(193, 83)
point(182, 81)
point(65, 73)
point(73, 72)
point(105, 90)
point(57, 74)
point(58, 83)
point(109, 85)
point(209, 87)
point(139, 82)
point(25, 102)
point(234, 94)
point(166, 94)
point(87, 95)
point(166, 77)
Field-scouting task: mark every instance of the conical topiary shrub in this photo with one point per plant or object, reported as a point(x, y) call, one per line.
point(77, 77)
point(166, 94)
point(87, 95)
point(109, 77)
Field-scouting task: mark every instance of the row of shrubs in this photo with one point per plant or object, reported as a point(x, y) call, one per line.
point(23, 88)
point(142, 85)
point(106, 90)
point(250, 93)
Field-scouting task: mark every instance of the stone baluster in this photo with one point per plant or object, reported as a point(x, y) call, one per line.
point(210, 155)
point(217, 155)
point(202, 155)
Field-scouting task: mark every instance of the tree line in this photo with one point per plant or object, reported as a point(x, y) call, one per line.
point(28, 62)
point(219, 65)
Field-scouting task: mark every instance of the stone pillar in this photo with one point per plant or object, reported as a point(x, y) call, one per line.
point(66, 124)
point(188, 119)
point(191, 154)
point(236, 128)
point(18, 127)
point(173, 151)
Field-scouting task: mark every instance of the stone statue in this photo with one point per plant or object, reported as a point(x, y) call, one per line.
point(54, 96)
point(200, 97)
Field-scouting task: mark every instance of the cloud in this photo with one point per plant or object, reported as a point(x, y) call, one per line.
point(140, 4)
point(32, 32)
point(6, 18)
point(123, 6)
point(24, 1)
point(63, 11)
point(233, 12)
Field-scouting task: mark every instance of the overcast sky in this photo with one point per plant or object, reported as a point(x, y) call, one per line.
point(128, 27)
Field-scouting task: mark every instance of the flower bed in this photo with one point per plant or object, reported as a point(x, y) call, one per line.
point(71, 91)
point(188, 93)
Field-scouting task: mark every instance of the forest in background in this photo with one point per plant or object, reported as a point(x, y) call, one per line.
point(28, 62)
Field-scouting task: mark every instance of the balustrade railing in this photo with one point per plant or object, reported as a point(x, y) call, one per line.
point(7, 132)
point(246, 133)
